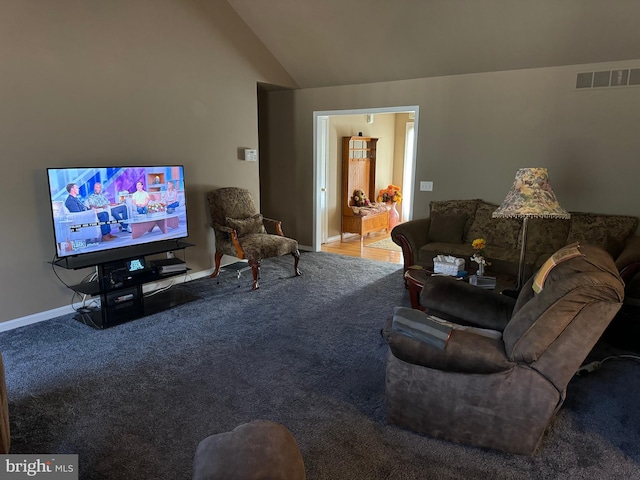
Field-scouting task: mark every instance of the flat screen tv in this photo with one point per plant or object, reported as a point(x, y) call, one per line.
point(98, 210)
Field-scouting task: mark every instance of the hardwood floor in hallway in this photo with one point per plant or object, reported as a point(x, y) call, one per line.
point(352, 247)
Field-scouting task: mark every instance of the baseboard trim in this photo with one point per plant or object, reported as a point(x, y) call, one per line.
point(36, 317)
point(58, 312)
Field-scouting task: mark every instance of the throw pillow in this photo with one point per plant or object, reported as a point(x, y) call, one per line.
point(247, 226)
point(605, 231)
point(498, 232)
point(456, 207)
point(447, 228)
point(545, 235)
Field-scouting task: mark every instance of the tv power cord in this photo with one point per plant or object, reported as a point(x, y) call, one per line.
point(593, 366)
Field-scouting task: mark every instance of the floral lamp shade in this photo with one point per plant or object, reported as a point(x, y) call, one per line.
point(530, 196)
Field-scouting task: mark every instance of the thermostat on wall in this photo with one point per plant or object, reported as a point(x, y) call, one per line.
point(250, 155)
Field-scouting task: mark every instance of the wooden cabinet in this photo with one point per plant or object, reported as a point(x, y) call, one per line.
point(358, 168)
point(359, 172)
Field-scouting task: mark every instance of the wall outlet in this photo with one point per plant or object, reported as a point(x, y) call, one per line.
point(426, 186)
point(170, 255)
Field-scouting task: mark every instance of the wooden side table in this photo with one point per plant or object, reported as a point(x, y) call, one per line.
point(416, 276)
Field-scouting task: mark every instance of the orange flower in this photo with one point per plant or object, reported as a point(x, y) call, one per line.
point(390, 194)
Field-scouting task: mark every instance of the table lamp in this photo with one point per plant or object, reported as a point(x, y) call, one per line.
point(531, 196)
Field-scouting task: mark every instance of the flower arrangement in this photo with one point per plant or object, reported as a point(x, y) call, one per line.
point(479, 244)
point(156, 207)
point(390, 194)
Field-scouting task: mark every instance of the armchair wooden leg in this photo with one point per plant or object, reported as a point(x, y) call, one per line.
point(218, 258)
point(255, 269)
point(296, 256)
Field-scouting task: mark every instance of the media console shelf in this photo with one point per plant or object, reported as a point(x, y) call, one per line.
point(119, 284)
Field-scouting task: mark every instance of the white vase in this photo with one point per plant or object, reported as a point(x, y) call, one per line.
point(480, 269)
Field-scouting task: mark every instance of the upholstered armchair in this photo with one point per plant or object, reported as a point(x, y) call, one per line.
point(496, 374)
point(240, 231)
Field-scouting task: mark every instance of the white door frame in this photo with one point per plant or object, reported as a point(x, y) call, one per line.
point(320, 160)
point(409, 169)
point(322, 182)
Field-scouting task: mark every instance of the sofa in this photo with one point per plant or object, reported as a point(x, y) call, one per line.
point(453, 224)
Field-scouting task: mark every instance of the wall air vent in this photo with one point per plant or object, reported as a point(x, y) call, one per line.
point(601, 79)
point(619, 78)
point(584, 80)
point(622, 77)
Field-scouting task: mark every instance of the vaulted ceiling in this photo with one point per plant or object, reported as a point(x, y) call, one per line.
point(341, 42)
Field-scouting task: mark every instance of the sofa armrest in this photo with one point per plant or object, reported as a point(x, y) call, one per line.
point(411, 236)
point(459, 302)
point(466, 352)
point(628, 262)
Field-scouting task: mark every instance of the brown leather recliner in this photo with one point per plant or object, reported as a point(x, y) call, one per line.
point(500, 393)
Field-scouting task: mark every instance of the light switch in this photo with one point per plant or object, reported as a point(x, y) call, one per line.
point(250, 155)
point(426, 186)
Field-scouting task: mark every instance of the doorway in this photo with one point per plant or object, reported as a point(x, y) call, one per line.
point(324, 184)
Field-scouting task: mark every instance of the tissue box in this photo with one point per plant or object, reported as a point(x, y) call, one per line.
point(447, 264)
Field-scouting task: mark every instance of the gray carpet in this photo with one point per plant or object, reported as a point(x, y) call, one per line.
point(134, 400)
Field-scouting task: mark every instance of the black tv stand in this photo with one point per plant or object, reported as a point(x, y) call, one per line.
point(119, 284)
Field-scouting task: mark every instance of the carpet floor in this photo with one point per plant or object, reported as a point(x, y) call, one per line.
point(133, 401)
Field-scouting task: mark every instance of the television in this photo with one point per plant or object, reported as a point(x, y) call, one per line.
point(116, 212)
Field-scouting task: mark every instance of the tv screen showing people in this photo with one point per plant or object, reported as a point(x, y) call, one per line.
point(96, 209)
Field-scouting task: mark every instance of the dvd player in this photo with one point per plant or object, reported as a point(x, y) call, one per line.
point(170, 265)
